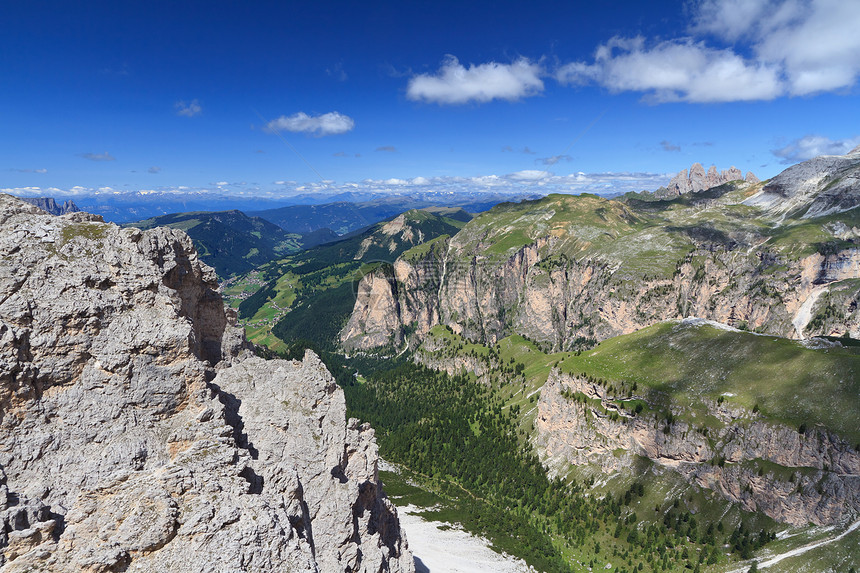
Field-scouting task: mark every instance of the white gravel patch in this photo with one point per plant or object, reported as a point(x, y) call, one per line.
point(452, 550)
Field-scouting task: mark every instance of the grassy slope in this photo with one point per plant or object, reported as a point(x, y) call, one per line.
point(651, 237)
point(310, 294)
point(790, 382)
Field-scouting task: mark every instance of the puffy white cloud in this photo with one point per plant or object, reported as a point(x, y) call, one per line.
point(457, 84)
point(678, 70)
point(770, 48)
point(98, 156)
point(814, 145)
point(815, 43)
point(189, 109)
point(332, 123)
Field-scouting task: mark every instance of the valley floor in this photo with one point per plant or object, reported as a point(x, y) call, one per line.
point(441, 548)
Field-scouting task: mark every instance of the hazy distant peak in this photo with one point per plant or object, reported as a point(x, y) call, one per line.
point(49, 205)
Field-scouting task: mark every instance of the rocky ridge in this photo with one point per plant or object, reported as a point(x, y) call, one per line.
point(137, 433)
point(697, 180)
point(822, 186)
point(812, 477)
point(588, 300)
point(586, 269)
point(49, 205)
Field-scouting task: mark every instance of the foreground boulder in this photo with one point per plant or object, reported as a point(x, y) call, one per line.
point(137, 433)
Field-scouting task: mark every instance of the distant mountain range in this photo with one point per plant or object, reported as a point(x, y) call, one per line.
point(231, 241)
point(343, 217)
point(49, 205)
point(123, 207)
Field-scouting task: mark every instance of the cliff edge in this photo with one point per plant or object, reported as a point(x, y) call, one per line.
point(138, 434)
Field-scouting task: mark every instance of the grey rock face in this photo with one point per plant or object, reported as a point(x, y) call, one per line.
point(698, 180)
point(137, 434)
point(821, 186)
point(824, 489)
point(49, 205)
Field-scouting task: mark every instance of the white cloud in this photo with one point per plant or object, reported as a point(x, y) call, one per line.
point(768, 49)
point(815, 43)
point(814, 145)
point(332, 123)
point(189, 109)
point(677, 70)
point(429, 188)
point(529, 175)
point(98, 156)
point(456, 84)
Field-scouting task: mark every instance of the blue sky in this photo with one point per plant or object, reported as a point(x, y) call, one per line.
point(285, 97)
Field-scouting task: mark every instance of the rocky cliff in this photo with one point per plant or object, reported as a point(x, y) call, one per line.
point(563, 302)
point(765, 466)
point(138, 434)
point(697, 180)
point(49, 205)
point(567, 271)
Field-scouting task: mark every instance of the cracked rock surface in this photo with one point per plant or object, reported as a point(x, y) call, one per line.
point(137, 433)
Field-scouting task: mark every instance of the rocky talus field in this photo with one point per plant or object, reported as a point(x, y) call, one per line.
point(139, 433)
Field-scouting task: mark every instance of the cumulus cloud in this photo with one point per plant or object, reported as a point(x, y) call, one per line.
point(98, 156)
point(387, 148)
point(454, 83)
point(815, 42)
point(189, 109)
point(332, 123)
point(676, 70)
point(770, 48)
point(814, 145)
point(669, 146)
point(154, 169)
point(555, 159)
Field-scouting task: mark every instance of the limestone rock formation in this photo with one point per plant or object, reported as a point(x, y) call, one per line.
point(588, 299)
point(137, 433)
point(49, 205)
point(697, 180)
point(824, 470)
point(557, 286)
point(821, 186)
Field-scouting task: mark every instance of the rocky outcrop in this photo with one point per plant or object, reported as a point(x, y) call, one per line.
point(696, 180)
point(138, 434)
point(569, 302)
point(794, 478)
point(821, 186)
point(49, 205)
